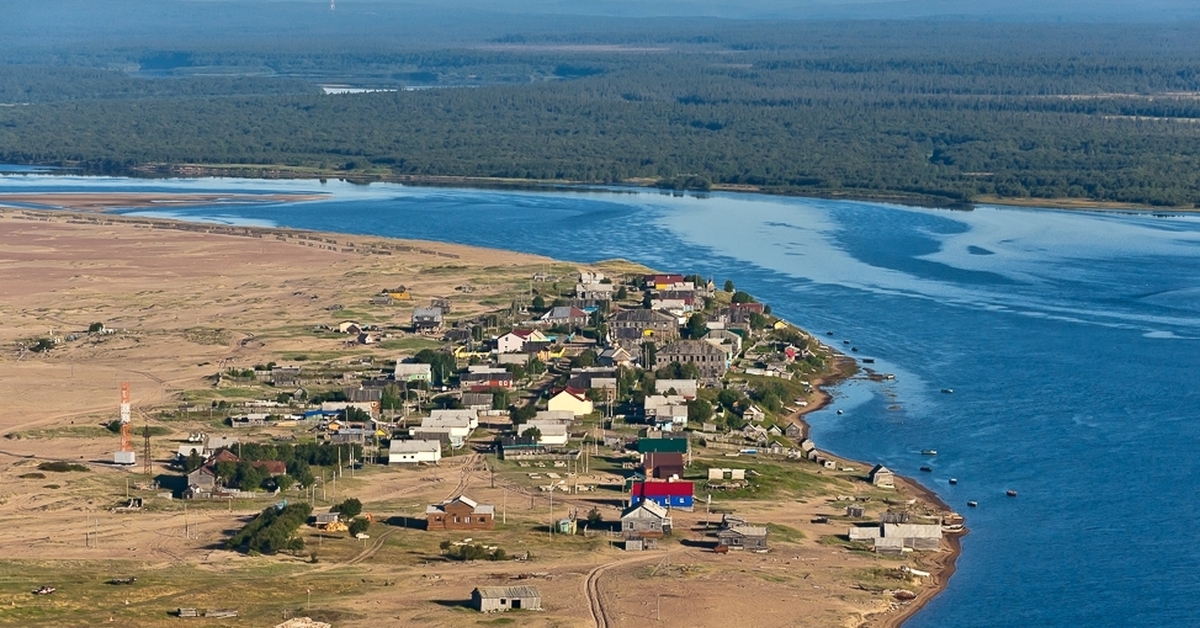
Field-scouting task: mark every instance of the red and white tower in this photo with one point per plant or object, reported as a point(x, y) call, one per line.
point(125, 455)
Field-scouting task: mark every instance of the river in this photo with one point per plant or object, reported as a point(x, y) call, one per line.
point(1069, 339)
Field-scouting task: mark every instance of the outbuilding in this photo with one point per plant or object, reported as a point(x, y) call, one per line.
point(492, 599)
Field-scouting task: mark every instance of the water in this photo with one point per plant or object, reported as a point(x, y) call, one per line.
point(1070, 341)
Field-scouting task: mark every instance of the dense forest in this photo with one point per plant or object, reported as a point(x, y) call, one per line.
point(934, 111)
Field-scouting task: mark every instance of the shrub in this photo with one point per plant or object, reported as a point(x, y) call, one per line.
point(358, 526)
point(58, 466)
point(349, 509)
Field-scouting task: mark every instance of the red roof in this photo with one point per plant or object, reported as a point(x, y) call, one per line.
point(274, 467)
point(662, 489)
point(522, 333)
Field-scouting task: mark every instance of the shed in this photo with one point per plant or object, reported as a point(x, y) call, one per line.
point(645, 519)
point(663, 465)
point(882, 476)
point(492, 599)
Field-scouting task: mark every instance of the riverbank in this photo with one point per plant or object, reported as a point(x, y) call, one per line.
point(268, 171)
point(942, 565)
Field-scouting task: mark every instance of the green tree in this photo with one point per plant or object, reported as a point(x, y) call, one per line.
point(699, 410)
point(359, 526)
point(742, 297)
point(621, 294)
point(594, 518)
point(585, 359)
point(349, 508)
point(697, 325)
point(728, 285)
point(538, 303)
point(532, 433)
point(192, 462)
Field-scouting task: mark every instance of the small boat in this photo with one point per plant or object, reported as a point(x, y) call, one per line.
point(868, 360)
point(972, 504)
point(904, 596)
point(948, 390)
point(927, 469)
point(44, 590)
point(839, 411)
point(928, 452)
point(845, 342)
point(1010, 493)
point(828, 333)
point(854, 348)
point(954, 480)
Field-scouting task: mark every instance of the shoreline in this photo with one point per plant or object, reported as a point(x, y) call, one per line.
point(269, 172)
point(944, 563)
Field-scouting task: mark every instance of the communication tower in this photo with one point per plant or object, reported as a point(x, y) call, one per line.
point(125, 455)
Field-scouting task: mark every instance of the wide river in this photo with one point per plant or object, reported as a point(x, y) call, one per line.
point(1071, 341)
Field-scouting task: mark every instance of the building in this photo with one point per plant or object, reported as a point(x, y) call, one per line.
point(794, 432)
point(642, 325)
point(570, 400)
point(737, 537)
point(427, 318)
point(482, 378)
point(666, 494)
point(478, 401)
point(454, 416)
point(708, 359)
point(413, 372)
point(615, 356)
point(460, 513)
point(685, 388)
point(662, 445)
point(662, 282)
point(493, 599)
point(594, 291)
point(663, 466)
point(882, 476)
point(565, 315)
point(515, 340)
point(894, 538)
point(645, 519)
point(553, 434)
point(414, 451)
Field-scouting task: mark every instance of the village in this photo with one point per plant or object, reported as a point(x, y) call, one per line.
point(590, 446)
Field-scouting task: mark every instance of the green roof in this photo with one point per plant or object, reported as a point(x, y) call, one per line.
point(663, 445)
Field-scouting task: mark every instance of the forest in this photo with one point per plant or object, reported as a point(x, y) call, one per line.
point(932, 112)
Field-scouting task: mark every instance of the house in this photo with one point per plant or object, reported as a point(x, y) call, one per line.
point(678, 307)
point(204, 479)
point(570, 400)
point(591, 276)
point(285, 376)
point(661, 282)
point(477, 401)
point(709, 360)
point(683, 387)
point(382, 298)
point(666, 494)
point(753, 538)
point(645, 519)
point(794, 432)
point(350, 327)
point(427, 318)
point(594, 291)
point(642, 325)
point(724, 340)
point(894, 538)
point(460, 513)
point(615, 356)
point(413, 451)
point(413, 372)
point(455, 416)
point(753, 413)
point(662, 445)
point(516, 446)
point(564, 315)
point(371, 408)
point(664, 465)
point(515, 340)
point(882, 476)
point(552, 434)
point(493, 599)
point(562, 417)
point(482, 378)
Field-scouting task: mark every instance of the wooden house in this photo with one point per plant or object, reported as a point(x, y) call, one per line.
point(645, 519)
point(460, 513)
point(663, 465)
point(753, 538)
point(493, 599)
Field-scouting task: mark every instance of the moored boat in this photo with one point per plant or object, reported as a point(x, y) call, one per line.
point(954, 480)
point(948, 390)
point(928, 452)
point(972, 504)
point(1010, 493)
point(927, 469)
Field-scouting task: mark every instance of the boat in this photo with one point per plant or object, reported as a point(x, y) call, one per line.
point(972, 504)
point(1010, 493)
point(44, 590)
point(927, 469)
point(904, 596)
point(948, 390)
point(839, 411)
point(828, 333)
point(954, 480)
point(845, 342)
point(854, 348)
point(928, 452)
point(868, 360)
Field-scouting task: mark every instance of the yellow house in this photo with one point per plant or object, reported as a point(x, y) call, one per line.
point(570, 400)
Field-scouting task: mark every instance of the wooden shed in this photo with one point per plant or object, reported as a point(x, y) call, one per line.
point(492, 599)
point(882, 476)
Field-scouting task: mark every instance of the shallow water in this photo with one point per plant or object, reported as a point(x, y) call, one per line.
point(1068, 338)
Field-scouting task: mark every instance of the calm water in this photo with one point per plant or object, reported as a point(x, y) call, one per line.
point(1070, 341)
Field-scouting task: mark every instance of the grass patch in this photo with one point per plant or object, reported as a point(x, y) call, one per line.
point(58, 466)
point(773, 480)
point(784, 534)
point(52, 486)
point(33, 475)
point(499, 621)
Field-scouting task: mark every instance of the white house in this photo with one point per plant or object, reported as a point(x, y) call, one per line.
point(553, 434)
point(413, 451)
point(413, 372)
point(514, 341)
point(570, 400)
point(472, 416)
point(456, 428)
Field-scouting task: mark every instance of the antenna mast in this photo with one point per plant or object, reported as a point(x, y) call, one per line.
point(125, 455)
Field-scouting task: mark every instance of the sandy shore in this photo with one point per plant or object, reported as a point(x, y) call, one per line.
point(104, 201)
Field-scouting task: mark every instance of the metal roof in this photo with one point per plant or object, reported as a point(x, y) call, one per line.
point(508, 592)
